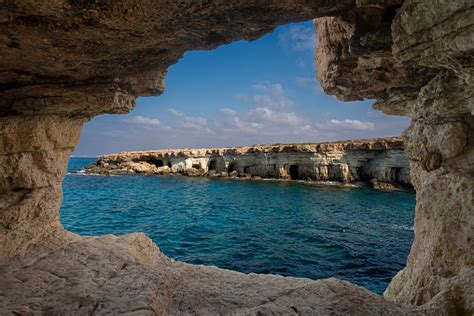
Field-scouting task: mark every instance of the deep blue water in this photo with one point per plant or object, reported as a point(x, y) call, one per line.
point(293, 229)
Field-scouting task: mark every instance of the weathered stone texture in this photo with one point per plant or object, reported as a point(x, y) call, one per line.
point(427, 74)
point(33, 155)
point(87, 57)
point(111, 275)
point(439, 144)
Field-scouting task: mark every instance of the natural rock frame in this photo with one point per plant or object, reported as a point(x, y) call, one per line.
point(65, 61)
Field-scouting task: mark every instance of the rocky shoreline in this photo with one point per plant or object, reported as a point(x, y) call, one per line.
point(379, 163)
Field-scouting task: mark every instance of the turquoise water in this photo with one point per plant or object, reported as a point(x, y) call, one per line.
point(293, 229)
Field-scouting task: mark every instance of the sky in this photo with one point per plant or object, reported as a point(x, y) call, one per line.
point(243, 93)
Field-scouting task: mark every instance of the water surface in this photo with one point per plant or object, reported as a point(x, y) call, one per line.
point(293, 229)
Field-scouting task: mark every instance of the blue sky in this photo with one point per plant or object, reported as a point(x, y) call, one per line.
point(243, 93)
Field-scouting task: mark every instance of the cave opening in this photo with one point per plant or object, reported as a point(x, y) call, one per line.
point(294, 172)
point(390, 13)
point(157, 162)
point(232, 167)
point(198, 123)
point(395, 174)
point(212, 165)
point(363, 171)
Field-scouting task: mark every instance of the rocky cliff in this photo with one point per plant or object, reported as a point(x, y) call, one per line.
point(380, 162)
point(64, 61)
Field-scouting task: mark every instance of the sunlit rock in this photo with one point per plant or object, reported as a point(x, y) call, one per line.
point(380, 162)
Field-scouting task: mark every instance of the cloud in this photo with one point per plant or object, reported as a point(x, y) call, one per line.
point(269, 119)
point(352, 124)
point(267, 87)
point(297, 38)
point(271, 101)
point(193, 123)
point(260, 125)
point(142, 120)
point(228, 111)
point(271, 95)
point(266, 115)
point(175, 112)
point(269, 116)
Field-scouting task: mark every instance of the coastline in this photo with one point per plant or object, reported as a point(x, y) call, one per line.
point(377, 163)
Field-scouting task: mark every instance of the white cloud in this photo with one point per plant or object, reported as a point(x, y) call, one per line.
point(142, 120)
point(353, 124)
point(193, 123)
point(266, 115)
point(271, 95)
point(175, 112)
point(270, 88)
point(297, 38)
point(267, 120)
point(228, 111)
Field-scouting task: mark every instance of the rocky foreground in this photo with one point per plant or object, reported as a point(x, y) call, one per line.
point(380, 163)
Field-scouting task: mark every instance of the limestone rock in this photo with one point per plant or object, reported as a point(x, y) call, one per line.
point(233, 174)
point(69, 57)
point(344, 161)
point(94, 271)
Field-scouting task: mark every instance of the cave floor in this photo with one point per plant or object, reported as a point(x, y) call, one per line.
point(129, 274)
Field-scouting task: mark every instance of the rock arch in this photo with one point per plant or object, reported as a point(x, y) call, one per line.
point(64, 62)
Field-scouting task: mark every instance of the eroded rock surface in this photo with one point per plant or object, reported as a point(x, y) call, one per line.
point(427, 74)
point(379, 162)
point(33, 155)
point(111, 275)
point(65, 61)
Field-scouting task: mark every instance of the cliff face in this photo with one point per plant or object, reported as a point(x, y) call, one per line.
point(381, 161)
point(65, 61)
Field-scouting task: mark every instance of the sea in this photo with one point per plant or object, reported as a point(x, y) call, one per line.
point(296, 229)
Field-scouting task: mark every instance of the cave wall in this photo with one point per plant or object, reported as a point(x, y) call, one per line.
point(34, 151)
point(65, 61)
point(427, 74)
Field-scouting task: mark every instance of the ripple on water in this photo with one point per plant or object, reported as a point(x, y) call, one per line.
point(292, 229)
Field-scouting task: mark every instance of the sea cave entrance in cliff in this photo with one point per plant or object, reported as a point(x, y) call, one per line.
point(395, 174)
point(212, 165)
point(232, 167)
point(157, 162)
point(294, 172)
